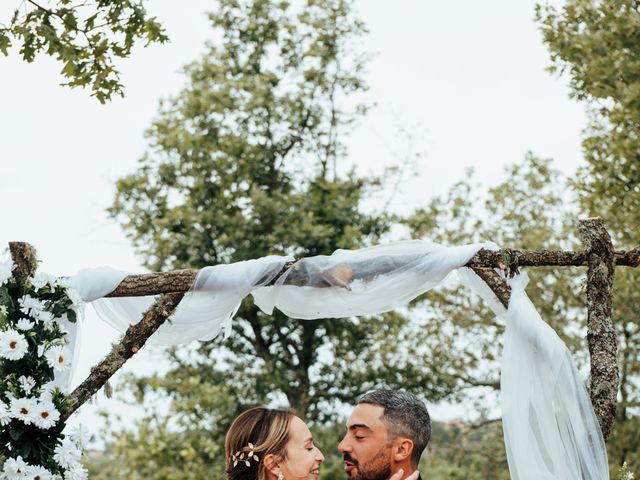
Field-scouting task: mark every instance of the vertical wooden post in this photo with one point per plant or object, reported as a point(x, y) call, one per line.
point(25, 260)
point(603, 345)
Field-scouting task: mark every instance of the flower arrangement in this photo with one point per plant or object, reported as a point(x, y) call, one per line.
point(35, 318)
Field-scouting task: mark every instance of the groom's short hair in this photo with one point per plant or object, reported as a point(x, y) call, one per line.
point(404, 415)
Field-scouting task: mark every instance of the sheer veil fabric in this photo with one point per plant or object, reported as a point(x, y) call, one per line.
point(550, 429)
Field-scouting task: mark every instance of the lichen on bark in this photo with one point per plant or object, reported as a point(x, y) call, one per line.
point(601, 335)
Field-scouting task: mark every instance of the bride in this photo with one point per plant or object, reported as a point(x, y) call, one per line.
point(269, 444)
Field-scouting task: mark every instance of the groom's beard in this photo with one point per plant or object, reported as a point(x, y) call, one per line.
point(378, 468)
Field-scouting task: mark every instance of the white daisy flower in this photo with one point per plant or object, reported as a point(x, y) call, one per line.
point(41, 350)
point(15, 468)
point(76, 472)
point(41, 279)
point(79, 434)
point(23, 409)
point(59, 358)
point(45, 415)
point(47, 391)
point(3, 310)
point(67, 453)
point(72, 293)
point(45, 317)
point(27, 383)
point(30, 305)
point(6, 269)
point(5, 415)
point(38, 473)
point(25, 324)
point(13, 346)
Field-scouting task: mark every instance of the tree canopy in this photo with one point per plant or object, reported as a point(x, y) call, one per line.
point(86, 38)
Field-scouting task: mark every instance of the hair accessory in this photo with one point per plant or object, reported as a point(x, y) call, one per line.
point(246, 455)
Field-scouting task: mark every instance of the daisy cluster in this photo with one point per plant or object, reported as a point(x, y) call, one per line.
point(35, 318)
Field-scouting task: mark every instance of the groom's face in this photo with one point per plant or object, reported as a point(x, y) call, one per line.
point(365, 447)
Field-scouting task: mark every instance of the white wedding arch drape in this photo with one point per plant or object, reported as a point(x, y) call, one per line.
point(550, 429)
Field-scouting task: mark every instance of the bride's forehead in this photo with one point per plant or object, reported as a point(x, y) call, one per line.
point(298, 429)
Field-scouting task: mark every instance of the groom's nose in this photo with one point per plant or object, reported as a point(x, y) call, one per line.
point(344, 445)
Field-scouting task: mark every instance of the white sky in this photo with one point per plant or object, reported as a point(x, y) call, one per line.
point(467, 77)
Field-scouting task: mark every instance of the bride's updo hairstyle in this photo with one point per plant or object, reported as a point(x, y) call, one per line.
point(256, 433)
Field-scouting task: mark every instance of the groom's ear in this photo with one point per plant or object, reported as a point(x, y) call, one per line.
point(402, 449)
point(272, 463)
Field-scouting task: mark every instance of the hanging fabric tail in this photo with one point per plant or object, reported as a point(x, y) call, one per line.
point(550, 429)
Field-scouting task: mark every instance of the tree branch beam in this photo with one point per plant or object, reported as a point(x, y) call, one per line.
point(133, 340)
point(496, 284)
point(182, 280)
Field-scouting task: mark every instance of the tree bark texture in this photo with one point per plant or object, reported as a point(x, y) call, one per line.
point(496, 284)
point(601, 336)
point(25, 260)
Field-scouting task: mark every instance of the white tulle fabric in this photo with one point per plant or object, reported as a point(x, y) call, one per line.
point(551, 431)
point(63, 378)
point(205, 310)
point(88, 285)
point(362, 282)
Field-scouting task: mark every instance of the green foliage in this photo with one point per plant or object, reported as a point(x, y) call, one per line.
point(462, 451)
point(242, 157)
point(85, 38)
point(187, 442)
point(595, 43)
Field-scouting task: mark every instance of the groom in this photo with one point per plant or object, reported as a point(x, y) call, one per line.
point(388, 430)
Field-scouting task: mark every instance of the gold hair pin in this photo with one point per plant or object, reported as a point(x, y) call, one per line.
point(245, 455)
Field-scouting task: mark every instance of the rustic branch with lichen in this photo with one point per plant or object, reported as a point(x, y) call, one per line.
point(132, 341)
point(601, 335)
point(182, 280)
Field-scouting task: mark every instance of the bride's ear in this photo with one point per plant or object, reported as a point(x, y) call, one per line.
point(272, 464)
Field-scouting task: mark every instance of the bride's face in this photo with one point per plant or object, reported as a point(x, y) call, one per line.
point(303, 457)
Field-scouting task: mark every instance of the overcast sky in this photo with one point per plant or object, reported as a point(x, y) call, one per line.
point(466, 77)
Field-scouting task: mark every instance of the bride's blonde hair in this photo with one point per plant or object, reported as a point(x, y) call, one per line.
point(254, 434)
